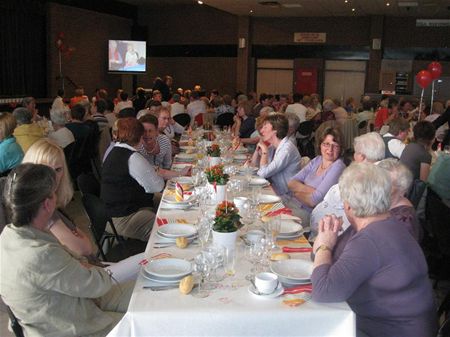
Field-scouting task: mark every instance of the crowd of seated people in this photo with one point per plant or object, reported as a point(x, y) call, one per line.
point(142, 138)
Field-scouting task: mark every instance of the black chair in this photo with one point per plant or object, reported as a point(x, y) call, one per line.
point(99, 218)
point(305, 140)
point(225, 119)
point(444, 309)
point(437, 251)
point(15, 326)
point(416, 192)
point(88, 184)
point(183, 119)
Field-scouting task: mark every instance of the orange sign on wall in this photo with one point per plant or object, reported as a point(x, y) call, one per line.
point(305, 37)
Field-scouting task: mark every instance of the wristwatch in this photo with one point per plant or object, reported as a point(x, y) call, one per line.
point(322, 247)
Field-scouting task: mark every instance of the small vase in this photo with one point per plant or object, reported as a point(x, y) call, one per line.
point(227, 240)
point(219, 193)
point(213, 161)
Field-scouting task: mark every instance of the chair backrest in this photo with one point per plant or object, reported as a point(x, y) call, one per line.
point(183, 119)
point(98, 216)
point(306, 128)
point(416, 191)
point(199, 119)
point(225, 119)
point(437, 214)
point(15, 326)
point(362, 125)
point(88, 184)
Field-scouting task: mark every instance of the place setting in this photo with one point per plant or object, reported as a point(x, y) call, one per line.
point(165, 274)
point(171, 234)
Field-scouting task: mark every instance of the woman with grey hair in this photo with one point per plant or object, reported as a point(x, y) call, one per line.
point(61, 135)
point(294, 122)
point(401, 208)
point(50, 291)
point(381, 273)
point(26, 132)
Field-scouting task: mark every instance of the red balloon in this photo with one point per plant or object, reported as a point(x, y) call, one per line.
point(423, 78)
point(435, 70)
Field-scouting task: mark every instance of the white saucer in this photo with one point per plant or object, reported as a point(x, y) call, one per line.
point(278, 291)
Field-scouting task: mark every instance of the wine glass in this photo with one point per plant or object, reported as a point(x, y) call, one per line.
point(253, 253)
point(217, 254)
point(202, 267)
point(203, 230)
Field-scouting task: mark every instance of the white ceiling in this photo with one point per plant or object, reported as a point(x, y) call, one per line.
point(300, 8)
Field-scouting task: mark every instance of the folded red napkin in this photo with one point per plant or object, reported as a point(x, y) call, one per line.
point(161, 221)
point(297, 250)
point(280, 211)
point(304, 288)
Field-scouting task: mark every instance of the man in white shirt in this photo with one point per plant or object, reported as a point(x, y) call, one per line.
point(297, 108)
point(196, 107)
point(395, 138)
point(123, 103)
point(176, 108)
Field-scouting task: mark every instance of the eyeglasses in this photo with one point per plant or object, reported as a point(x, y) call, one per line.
point(331, 145)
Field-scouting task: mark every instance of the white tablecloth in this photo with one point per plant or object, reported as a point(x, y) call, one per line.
point(229, 310)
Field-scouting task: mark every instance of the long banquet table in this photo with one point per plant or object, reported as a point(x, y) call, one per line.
point(229, 310)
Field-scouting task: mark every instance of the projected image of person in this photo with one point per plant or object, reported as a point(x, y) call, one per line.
point(115, 59)
point(131, 57)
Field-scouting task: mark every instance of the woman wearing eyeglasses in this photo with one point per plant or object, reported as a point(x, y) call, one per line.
point(310, 185)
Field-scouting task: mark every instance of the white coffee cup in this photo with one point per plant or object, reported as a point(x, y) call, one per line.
point(240, 202)
point(266, 283)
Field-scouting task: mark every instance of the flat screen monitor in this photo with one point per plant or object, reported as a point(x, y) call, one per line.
point(125, 56)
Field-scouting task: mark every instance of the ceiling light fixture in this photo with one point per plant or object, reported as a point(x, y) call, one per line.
point(200, 2)
point(388, 4)
point(346, 1)
point(353, 9)
point(251, 11)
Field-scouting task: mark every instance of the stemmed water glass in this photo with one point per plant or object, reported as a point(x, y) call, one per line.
point(254, 254)
point(217, 254)
point(202, 265)
point(203, 230)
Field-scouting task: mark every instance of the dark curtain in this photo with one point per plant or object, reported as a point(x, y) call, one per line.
point(23, 48)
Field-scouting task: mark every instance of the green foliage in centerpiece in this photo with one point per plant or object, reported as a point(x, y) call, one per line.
point(227, 218)
point(213, 150)
point(215, 174)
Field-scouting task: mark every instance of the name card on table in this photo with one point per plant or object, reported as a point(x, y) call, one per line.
point(308, 37)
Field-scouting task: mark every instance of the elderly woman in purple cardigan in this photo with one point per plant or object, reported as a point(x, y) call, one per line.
point(308, 187)
point(381, 272)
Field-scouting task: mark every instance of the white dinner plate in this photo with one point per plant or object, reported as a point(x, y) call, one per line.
point(259, 182)
point(186, 157)
point(181, 180)
point(190, 149)
point(277, 292)
point(168, 205)
point(293, 269)
point(289, 227)
point(166, 281)
point(292, 283)
point(170, 199)
point(179, 167)
point(269, 199)
point(176, 230)
point(168, 268)
point(241, 150)
point(243, 169)
point(240, 157)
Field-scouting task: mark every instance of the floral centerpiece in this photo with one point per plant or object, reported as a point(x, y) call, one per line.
point(227, 218)
point(216, 175)
point(213, 150)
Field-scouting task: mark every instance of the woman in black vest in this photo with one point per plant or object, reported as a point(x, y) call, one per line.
point(128, 183)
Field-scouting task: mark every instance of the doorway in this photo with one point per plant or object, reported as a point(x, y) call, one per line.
point(344, 79)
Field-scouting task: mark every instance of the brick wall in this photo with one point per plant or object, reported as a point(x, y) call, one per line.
point(88, 32)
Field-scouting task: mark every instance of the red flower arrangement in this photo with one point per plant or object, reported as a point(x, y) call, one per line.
point(215, 174)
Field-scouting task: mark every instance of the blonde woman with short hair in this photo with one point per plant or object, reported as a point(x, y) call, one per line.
point(46, 152)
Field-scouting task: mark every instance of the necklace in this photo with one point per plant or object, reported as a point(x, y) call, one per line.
point(323, 167)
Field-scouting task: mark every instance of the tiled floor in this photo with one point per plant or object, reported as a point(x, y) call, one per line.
point(76, 212)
